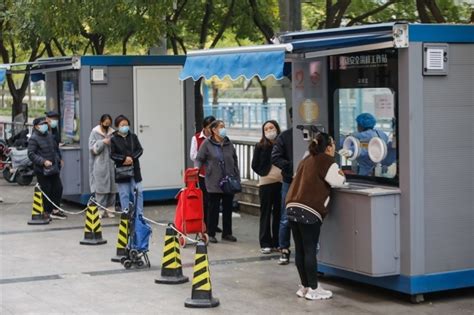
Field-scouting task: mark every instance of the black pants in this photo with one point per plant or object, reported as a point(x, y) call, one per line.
point(53, 188)
point(306, 237)
point(213, 216)
point(205, 201)
point(270, 208)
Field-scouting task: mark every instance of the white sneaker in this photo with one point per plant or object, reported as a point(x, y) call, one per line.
point(318, 294)
point(301, 291)
point(111, 212)
point(265, 250)
point(320, 288)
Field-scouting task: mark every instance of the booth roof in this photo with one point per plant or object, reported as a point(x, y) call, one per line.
point(269, 60)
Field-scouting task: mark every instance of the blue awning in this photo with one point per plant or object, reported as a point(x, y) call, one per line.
point(3, 75)
point(263, 62)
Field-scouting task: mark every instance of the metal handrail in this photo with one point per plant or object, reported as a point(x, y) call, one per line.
point(244, 150)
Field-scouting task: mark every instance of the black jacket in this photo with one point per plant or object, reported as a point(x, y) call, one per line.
point(262, 159)
point(121, 147)
point(42, 147)
point(282, 154)
point(56, 136)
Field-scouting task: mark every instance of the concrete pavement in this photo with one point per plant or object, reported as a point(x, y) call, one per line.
point(44, 270)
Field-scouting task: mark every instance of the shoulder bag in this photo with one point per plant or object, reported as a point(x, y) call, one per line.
point(229, 184)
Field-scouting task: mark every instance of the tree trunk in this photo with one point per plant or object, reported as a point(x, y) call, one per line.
point(422, 12)
point(265, 29)
point(215, 94)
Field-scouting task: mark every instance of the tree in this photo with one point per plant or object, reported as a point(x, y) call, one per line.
point(18, 42)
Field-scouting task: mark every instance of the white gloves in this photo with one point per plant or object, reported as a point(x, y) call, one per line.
point(345, 153)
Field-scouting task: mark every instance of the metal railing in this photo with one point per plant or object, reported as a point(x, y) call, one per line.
point(247, 115)
point(244, 150)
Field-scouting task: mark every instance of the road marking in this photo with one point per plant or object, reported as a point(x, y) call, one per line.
point(99, 273)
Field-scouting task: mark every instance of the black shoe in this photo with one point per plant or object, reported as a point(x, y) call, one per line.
point(285, 257)
point(58, 214)
point(212, 239)
point(218, 230)
point(229, 238)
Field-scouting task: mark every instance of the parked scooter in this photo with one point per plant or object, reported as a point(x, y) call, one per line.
point(17, 167)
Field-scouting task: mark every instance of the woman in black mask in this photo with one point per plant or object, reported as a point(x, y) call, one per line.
point(101, 167)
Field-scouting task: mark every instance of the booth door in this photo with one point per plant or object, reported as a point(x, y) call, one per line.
point(159, 117)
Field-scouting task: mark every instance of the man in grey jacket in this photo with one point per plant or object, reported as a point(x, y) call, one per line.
point(46, 157)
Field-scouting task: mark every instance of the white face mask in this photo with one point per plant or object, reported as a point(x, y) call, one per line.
point(271, 135)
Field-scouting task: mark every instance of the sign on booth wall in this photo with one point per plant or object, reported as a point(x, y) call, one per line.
point(307, 90)
point(68, 90)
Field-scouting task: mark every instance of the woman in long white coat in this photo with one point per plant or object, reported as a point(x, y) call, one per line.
point(101, 167)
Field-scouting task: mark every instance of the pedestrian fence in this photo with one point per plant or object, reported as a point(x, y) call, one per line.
point(244, 151)
point(247, 115)
point(171, 267)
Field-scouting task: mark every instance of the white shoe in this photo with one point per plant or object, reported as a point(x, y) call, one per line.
point(318, 294)
point(320, 288)
point(111, 212)
point(265, 250)
point(101, 213)
point(301, 291)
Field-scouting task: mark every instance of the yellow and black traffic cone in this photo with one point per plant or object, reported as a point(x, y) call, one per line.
point(201, 294)
point(92, 227)
point(171, 268)
point(38, 214)
point(122, 238)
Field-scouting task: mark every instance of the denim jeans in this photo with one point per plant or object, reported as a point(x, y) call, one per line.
point(127, 189)
point(284, 233)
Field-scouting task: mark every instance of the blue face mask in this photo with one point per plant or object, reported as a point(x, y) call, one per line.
point(124, 129)
point(222, 132)
point(43, 128)
point(54, 123)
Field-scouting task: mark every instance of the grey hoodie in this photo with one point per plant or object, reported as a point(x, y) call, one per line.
point(210, 154)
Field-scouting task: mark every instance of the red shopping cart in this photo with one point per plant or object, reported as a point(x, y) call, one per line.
point(189, 216)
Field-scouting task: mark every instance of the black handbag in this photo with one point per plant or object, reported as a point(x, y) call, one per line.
point(52, 170)
point(124, 172)
point(229, 184)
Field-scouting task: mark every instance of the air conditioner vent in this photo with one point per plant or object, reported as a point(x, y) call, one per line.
point(435, 59)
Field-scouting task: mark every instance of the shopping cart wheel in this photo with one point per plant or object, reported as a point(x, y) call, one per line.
point(133, 254)
point(205, 238)
point(140, 264)
point(127, 264)
point(182, 241)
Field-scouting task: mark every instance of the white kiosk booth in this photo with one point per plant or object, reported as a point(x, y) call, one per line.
point(406, 219)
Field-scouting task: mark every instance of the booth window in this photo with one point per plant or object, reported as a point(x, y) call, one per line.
point(366, 130)
point(68, 88)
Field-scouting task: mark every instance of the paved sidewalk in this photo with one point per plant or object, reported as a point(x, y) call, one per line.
point(44, 270)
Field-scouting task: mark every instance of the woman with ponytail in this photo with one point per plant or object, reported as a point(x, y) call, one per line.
point(306, 206)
